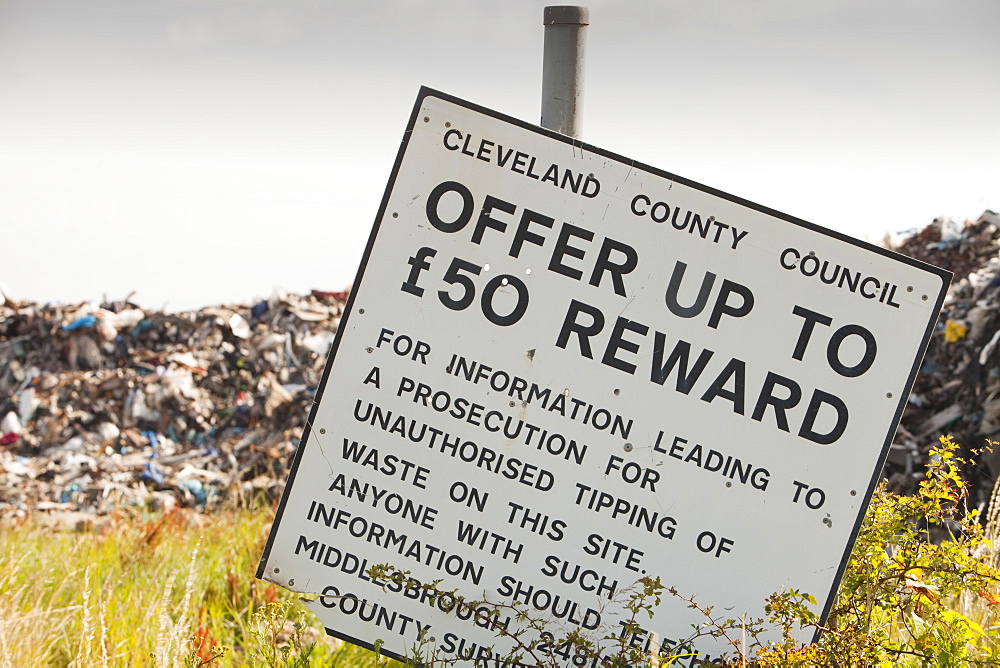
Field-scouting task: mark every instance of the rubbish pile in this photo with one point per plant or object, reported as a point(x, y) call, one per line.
point(957, 391)
point(109, 405)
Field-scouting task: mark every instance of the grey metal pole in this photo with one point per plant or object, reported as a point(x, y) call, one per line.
point(562, 68)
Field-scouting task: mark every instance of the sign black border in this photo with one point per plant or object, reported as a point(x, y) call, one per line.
point(425, 92)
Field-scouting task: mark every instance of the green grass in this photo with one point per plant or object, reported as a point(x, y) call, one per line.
point(168, 590)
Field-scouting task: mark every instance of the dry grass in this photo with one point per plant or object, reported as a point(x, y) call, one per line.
point(167, 590)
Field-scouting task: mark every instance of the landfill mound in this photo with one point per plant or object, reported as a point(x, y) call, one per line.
point(957, 391)
point(109, 405)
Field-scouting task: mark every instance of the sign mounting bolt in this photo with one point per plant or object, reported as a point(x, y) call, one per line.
point(628, 447)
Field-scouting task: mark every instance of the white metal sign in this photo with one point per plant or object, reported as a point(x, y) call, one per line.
point(561, 370)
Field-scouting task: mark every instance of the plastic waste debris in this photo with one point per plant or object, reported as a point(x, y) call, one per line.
point(10, 423)
point(240, 327)
point(954, 331)
point(959, 380)
point(83, 322)
point(104, 405)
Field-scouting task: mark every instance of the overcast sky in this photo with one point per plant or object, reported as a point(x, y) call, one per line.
point(209, 151)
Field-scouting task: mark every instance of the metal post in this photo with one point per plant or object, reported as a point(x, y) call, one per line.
point(562, 68)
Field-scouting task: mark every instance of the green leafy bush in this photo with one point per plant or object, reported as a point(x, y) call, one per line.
point(920, 590)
